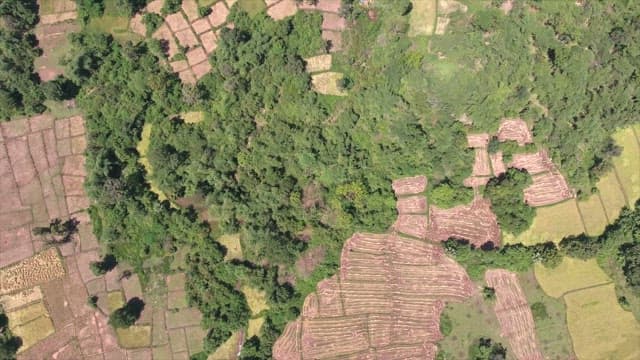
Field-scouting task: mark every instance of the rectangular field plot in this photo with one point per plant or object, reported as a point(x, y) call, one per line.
point(134, 336)
point(611, 195)
point(552, 223)
point(595, 219)
point(422, 19)
point(628, 164)
point(571, 274)
point(599, 327)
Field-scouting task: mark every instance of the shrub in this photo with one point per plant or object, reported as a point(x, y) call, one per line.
point(507, 200)
point(127, 315)
point(539, 311)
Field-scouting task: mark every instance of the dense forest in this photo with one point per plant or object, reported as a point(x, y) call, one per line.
point(292, 170)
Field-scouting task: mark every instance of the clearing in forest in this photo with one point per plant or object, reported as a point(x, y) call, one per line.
point(192, 117)
point(143, 149)
point(115, 22)
point(257, 303)
point(327, 83)
point(599, 327)
point(572, 274)
point(422, 20)
point(514, 314)
point(233, 245)
point(385, 301)
point(57, 21)
point(229, 349)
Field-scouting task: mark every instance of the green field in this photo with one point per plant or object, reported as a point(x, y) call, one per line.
point(252, 7)
point(114, 22)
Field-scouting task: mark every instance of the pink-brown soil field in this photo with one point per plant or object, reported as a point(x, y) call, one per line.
point(477, 140)
point(282, 9)
point(516, 130)
point(412, 205)
point(385, 303)
point(497, 163)
point(514, 314)
point(322, 5)
point(481, 164)
point(331, 21)
point(410, 185)
point(475, 223)
point(547, 188)
point(534, 163)
point(413, 225)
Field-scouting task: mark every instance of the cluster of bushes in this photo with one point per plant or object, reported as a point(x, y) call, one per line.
point(9, 344)
point(507, 200)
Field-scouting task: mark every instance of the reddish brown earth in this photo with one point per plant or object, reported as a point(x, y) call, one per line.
point(413, 225)
point(309, 260)
point(516, 130)
point(475, 223)
point(322, 5)
point(412, 205)
point(410, 185)
point(481, 165)
point(385, 303)
point(514, 314)
point(282, 9)
point(534, 163)
point(475, 181)
point(547, 188)
point(477, 140)
point(331, 21)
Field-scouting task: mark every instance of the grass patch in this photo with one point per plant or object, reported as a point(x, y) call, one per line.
point(228, 350)
point(195, 339)
point(599, 327)
point(571, 274)
point(327, 83)
point(254, 326)
point(192, 117)
point(627, 165)
point(552, 223)
point(551, 330)
point(469, 321)
point(252, 7)
point(31, 323)
point(143, 148)
point(134, 337)
point(61, 109)
point(233, 245)
point(114, 22)
point(115, 300)
point(256, 299)
point(595, 219)
point(422, 20)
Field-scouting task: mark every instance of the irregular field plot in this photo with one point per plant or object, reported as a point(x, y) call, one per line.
point(228, 350)
point(551, 223)
point(571, 274)
point(628, 163)
point(422, 19)
point(254, 326)
point(599, 327)
point(595, 219)
point(327, 83)
point(256, 299)
point(134, 336)
point(233, 245)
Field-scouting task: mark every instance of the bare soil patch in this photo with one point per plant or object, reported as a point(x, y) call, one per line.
point(547, 188)
point(409, 185)
point(514, 314)
point(386, 302)
point(412, 205)
point(282, 9)
point(516, 130)
point(534, 163)
point(477, 140)
point(475, 223)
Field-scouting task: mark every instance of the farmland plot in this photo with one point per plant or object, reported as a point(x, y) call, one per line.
point(475, 223)
point(516, 130)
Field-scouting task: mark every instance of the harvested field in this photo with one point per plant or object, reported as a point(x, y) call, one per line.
point(478, 140)
point(282, 9)
point(219, 13)
point(229, 350)
point(192, 117)
point(497, 164)
point(593, 215)
point(422, 19)
point(327, 83)
point(547, 189)
point(570, 275)
point(40, 268)
point(610, 191)
point(16, 300)
point(232, 243)
point(392, 309)
point(627, 165)
point(516, 130)
point(332, 6)
point(514, 314)
point(475, 181)
point(552, 223)
point(31, 323)
point(481, 165)
point(254, 326)
point(534, 163)
point(256, 299)
point(335, 22)
point(334, 39)
point(599, 327)
point(318, 63)
point(134, 337)
point(413, 225)
point(475, 223)
point(410, 185)
point(412, 205)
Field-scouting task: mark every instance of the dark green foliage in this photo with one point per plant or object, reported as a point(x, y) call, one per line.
point(58, 231)
point(171, 6)
point(581, 246)
point(9, 344)
point(152, 21)
point(447, 195)
point(489, 293)
point(88, 9)
point(507, 200)
point(446, 325)
point(92, 300)
point(126, 315)
point(539, 311)
point(102, 267)
point(204, 11)
point(486, 349)
point(20, 91)
point(630, 257)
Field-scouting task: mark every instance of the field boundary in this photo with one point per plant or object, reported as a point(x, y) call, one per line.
point(585, 288)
